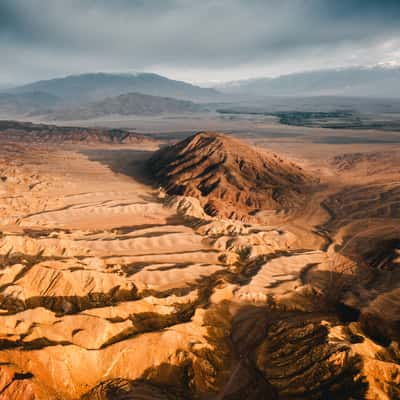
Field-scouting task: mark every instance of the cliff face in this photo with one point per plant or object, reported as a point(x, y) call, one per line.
point(230, 178)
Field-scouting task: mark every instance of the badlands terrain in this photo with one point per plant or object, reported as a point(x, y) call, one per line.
point(132, 268)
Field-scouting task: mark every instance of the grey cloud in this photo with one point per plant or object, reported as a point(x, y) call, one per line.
point(200, 35)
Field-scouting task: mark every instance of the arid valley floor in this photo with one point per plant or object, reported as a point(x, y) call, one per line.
point(210, 270)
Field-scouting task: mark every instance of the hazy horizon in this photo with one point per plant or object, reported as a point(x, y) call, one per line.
point(205, 84)
point(201, 43)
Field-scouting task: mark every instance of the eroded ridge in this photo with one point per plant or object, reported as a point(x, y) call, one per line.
point(230, 178)
point(112, 290)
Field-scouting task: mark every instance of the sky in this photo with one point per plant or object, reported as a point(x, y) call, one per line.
point(200, 41)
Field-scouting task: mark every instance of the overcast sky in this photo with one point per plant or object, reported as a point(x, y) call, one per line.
point(195, 40)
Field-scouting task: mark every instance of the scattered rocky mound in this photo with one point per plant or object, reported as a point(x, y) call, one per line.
point(26, 132)
point(230, 178)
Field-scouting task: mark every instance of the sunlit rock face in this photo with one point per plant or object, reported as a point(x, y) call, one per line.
point(110, 289)
point(230, 178)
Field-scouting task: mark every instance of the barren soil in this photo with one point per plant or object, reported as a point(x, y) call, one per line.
point(111, 289)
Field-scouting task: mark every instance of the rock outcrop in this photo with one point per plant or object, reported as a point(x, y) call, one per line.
point(229, 177)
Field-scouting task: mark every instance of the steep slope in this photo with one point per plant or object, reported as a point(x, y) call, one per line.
point(128, 104)
point(229, 177)
point(97, 86)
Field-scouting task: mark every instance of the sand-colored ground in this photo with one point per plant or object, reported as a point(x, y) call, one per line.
point(102, 278)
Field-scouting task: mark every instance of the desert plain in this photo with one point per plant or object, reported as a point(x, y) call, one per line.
point(198, 265)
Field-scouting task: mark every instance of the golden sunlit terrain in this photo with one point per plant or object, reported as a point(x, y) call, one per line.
point(210, 269)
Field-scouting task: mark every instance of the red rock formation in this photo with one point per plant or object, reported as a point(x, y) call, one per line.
point(229, 177)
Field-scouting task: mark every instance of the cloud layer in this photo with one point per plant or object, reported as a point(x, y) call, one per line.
point(193, 40)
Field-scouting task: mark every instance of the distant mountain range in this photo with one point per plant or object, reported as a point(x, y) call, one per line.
point(98, 94)
point(26, 103)
point(376, 81)
point(125, 105)
point(97, 86)
point(95, 95)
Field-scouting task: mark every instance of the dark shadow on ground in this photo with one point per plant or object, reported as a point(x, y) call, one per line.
point(129, 162)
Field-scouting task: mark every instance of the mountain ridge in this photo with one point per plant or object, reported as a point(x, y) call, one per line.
point(125, 105)
point(229, 177)
point(95, 86)
point(376, 81)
